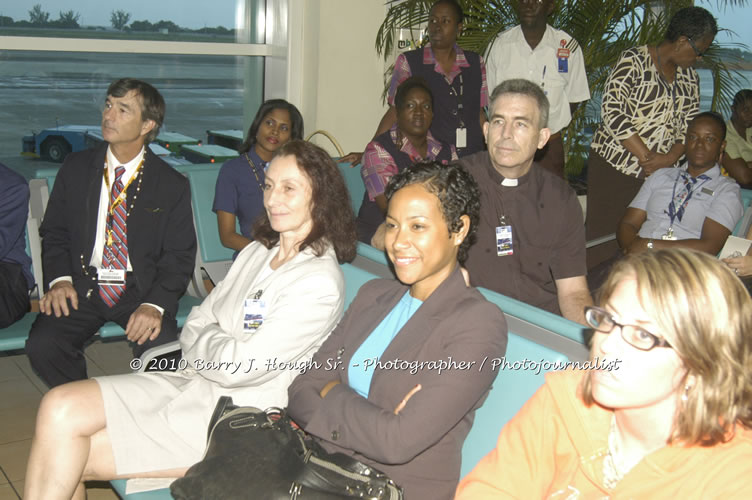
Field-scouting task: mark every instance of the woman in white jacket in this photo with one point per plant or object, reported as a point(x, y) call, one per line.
point(249, 339)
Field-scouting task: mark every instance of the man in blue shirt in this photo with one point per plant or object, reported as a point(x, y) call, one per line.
point(692, 206)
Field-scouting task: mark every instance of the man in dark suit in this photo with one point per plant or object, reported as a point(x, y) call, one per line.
point(15, 266)
point(118, 240)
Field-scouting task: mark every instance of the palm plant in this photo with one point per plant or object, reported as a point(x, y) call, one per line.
point(603, 28)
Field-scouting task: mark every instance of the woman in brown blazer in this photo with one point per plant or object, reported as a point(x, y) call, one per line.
point(397, 383)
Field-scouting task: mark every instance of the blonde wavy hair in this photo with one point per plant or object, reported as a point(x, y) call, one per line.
point(708, 312)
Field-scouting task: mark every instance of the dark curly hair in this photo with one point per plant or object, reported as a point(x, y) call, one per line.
point(456, 190)
point(296, 119)
point(692, 22)
point(331, 211)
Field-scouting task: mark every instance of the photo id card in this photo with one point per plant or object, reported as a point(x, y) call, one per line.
point(504, 244)
point(461, 137)
point(111, 276)
point(562, 55)
point(669, 234)
point(253, 314)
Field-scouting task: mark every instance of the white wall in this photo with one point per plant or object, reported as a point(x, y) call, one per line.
point(338, 81)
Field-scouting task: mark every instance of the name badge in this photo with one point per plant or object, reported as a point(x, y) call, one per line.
point(461, 137)
point(562, 55)
point(504, 242)
point(111, 276)
point(707, 191)
point(253, 314)
point(669, 234)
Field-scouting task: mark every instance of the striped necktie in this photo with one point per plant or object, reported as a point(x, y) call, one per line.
point(115, 254)
point(681, 199)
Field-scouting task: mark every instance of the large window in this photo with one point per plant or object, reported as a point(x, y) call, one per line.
point(53, 76)
point(174, 20)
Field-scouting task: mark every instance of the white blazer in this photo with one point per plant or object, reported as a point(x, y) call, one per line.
point(304, 301)
point(158, 420)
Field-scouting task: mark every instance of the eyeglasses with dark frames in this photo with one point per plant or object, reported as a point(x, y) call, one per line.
point(694, 47)
point(605, 322)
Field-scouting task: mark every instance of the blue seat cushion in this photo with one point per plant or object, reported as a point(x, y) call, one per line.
point(119, 486)
point(14, 337)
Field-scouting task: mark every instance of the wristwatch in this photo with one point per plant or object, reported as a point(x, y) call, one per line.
point(650, 244)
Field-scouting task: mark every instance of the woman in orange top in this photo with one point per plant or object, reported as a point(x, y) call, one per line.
point(672, 419)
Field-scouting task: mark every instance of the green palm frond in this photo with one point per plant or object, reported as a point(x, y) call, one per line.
point(722, 63)
point(411, 14)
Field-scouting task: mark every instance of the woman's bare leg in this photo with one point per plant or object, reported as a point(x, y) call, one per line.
point(68, 416)
point(71, 444)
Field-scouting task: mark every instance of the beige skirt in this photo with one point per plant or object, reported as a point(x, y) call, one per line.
point(153, 420)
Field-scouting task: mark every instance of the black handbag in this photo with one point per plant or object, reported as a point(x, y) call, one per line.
point(255, 454)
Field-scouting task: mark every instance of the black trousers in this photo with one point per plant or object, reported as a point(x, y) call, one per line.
point(14, 293)
point(55, 346)
point(609, 194)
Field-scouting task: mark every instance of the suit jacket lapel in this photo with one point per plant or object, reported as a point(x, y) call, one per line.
point(419, 327)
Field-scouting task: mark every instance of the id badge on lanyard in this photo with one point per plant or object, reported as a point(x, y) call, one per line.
point(461, 137)
point(108, 276)
point(504, 241)
point(669, 234)
point(254, 310)
point(562, 55)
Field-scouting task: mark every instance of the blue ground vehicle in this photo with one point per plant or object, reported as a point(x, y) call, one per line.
point(54, 144)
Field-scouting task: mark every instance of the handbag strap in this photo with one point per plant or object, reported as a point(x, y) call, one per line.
point(362, 480)
point(224, 404)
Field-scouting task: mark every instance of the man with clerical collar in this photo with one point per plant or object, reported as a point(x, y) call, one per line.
point(118, 242)
point(531, 237)
point(692, 206)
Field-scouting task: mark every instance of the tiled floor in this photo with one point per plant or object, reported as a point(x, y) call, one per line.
point(20, 393)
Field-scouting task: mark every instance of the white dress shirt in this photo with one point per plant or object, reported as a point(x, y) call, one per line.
point(511, 57)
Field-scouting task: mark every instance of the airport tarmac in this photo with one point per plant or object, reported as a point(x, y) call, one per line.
point(39, 90)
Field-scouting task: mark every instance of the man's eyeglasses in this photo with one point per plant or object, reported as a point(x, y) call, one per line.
point(694, 47)
point(603, 321)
